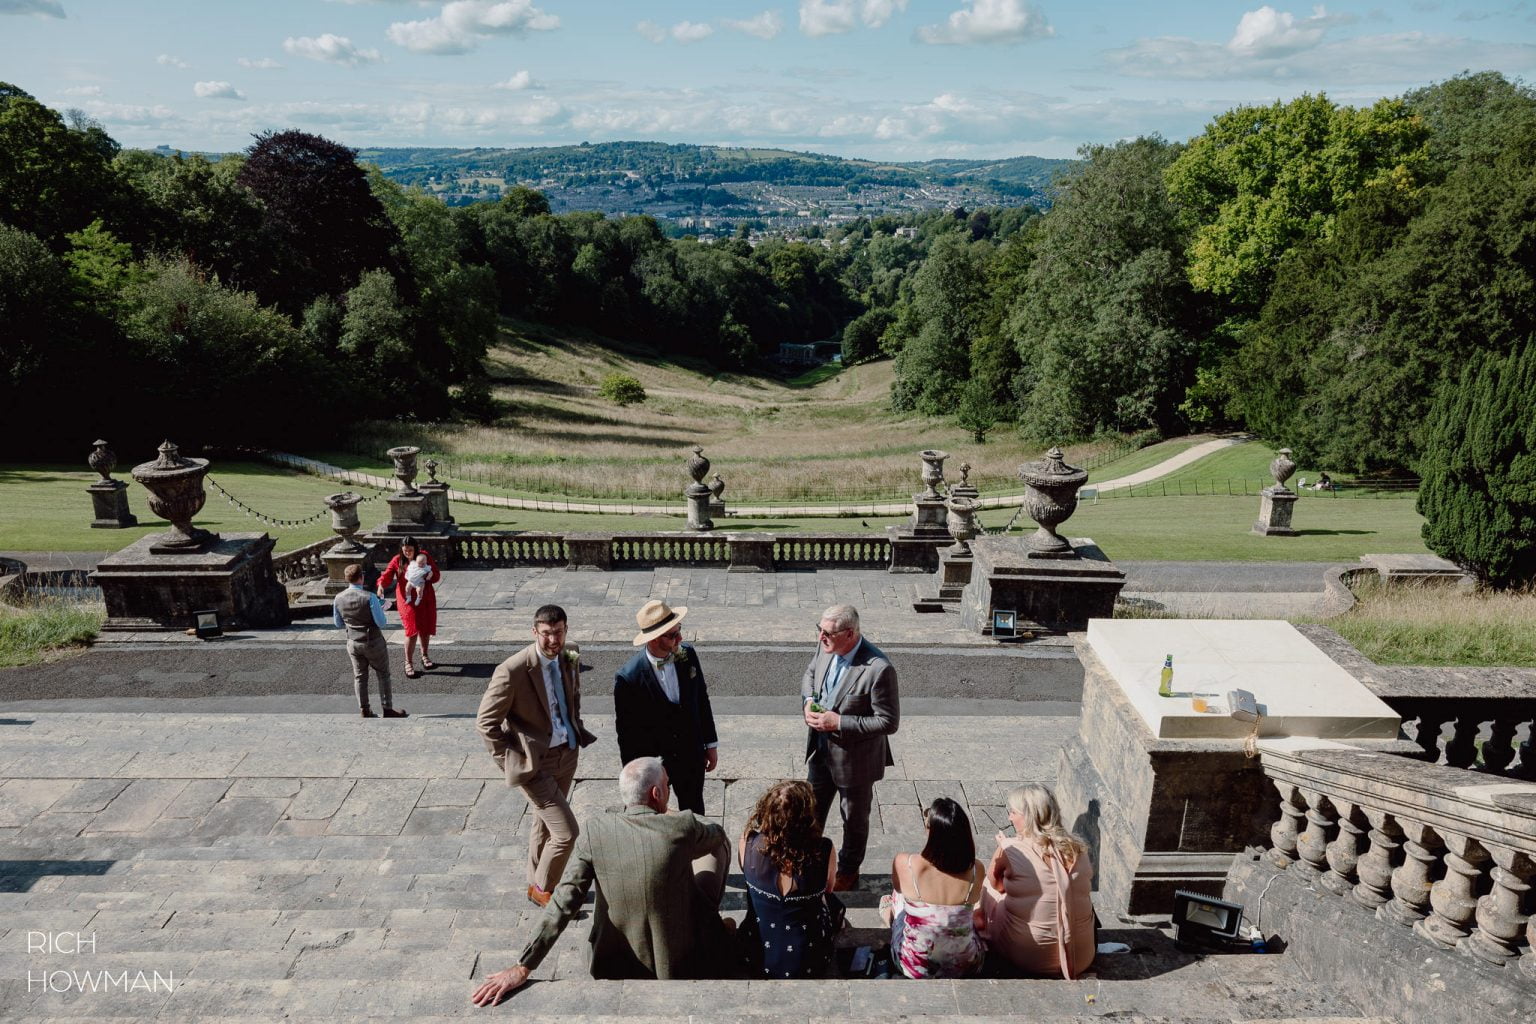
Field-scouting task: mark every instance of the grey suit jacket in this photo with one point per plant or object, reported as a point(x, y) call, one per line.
point(651, 920)
point(514, 718)
point(870, 709)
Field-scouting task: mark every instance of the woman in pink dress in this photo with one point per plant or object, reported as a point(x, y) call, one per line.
point(419, 619)
point(1038, 904)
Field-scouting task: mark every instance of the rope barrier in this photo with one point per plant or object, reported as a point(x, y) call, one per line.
point(273, 521)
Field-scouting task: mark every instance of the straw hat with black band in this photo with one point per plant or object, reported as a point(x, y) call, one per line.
point(654, 619)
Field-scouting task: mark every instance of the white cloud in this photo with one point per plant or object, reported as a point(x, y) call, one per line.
point(330, 48)
point(989, 21)
point(167, 60)
point(831, 17)
point(259, 64)
point(83, 90)
point(692, 31)
point(41, 8)
point(216, 91)
point(652, 31)
point(765, 25)
point(1267, 32)
point(461, 25)
point(518, 82)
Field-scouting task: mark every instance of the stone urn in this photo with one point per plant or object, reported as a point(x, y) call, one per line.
point(344, 520)
point(1050, 498)
point(175, 486)
point(933, 473)
point(102, 459)
point(431, 465)
point(717, 486)
point(698, 465)
point(405, 468)
point(962, 523)
point(1282, 468)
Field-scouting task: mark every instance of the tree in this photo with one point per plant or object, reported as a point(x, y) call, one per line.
point(323, 222)
point(861, 338)
point(1105, 325)
point(1478, 490)
point(942, 319)
point(53, 179)
point(621, 389)
point(1260, 180)
point(977, 411)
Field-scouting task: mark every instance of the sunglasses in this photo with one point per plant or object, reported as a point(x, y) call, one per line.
point(828, 636)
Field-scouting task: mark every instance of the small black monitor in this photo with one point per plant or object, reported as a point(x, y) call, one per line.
point(1005, 622)
point(206, 624)
point(1201, 919)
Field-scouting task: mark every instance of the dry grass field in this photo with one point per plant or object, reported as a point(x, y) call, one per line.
point(798, 440)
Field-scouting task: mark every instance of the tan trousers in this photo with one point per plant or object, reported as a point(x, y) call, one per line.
point(553, 835)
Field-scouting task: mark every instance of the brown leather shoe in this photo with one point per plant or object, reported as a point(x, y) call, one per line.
point(845, 881)
point(538, 897)
point(395, 713)
point(368, 713)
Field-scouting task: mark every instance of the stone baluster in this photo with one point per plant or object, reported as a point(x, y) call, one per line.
point(1344, 852)
point(1312, 845)
point(1499, 748)
point(1283, 833)
point(1427, 734)
point(1461, 748)
point(1453, 899)
point(1500, 924)
point(1526, 769)
point(1411, 880)
point(1375, 868)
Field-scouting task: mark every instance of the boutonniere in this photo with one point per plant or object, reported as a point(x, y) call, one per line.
point(573, 656)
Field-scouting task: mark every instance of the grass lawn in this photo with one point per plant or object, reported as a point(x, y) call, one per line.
point(1440, 626)
point(1216, 529)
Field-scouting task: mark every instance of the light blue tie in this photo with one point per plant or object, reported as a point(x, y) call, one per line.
point(565, 718)
point(834, 677)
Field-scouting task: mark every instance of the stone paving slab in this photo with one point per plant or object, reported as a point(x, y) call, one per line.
point(411, 887)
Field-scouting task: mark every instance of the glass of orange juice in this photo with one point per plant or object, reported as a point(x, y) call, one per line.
point(1198, 703)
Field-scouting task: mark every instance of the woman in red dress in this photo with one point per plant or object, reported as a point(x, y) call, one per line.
point(419, 619)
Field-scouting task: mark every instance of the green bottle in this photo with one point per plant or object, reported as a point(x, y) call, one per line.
point(1165, 689)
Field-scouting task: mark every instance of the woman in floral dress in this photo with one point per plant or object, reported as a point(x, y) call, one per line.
point(933, 909)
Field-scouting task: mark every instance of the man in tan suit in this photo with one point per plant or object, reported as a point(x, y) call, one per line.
point(530, 718)
point(659, 878)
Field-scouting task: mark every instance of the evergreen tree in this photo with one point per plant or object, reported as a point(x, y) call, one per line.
point(1478, 495)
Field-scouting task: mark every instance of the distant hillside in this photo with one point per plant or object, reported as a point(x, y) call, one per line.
point(470, 174)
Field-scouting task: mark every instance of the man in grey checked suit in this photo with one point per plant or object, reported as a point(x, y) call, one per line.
point(851, 707)
point(361, 614)
point(659, 877)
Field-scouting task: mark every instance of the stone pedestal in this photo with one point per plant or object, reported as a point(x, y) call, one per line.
point(233, 576)
point(591, 552)
point(954, 574)
point(698, 497)
point(915, 546)
point(1166, 796)
point(437, 511)
point(109, 499)
point(750, 552)
point(716, 509)
point(336, 561)
point(1275, 506)
point(408, 514)
point(1051, 595)
point(929, 516)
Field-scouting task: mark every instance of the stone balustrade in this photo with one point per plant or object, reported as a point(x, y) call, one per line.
point(738, 552)
point(303, 563)
point(1447, 852)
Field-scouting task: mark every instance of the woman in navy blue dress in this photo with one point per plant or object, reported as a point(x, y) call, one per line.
point(792, 915)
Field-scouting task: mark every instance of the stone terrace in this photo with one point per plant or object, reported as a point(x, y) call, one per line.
point(320, 867)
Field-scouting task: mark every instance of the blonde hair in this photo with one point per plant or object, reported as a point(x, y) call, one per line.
point(1040, 821)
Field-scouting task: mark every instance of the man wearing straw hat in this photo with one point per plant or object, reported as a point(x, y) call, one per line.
point(661, 705)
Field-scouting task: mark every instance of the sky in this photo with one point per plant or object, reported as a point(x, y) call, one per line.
point(876, 79)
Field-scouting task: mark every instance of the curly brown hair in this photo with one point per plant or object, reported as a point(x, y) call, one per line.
point(785, 816)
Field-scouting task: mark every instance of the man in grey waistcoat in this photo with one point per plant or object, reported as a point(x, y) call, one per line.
point(361, 614)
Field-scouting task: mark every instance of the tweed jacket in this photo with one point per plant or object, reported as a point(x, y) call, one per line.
point(650, 725)
point(514, 717)
point(869, 707)
point(650, 920)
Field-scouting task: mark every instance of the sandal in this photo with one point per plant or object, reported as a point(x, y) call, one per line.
point(411, 673)
point(427, 664)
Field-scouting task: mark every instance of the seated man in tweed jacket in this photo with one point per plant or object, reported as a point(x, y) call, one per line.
point(659, 877)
